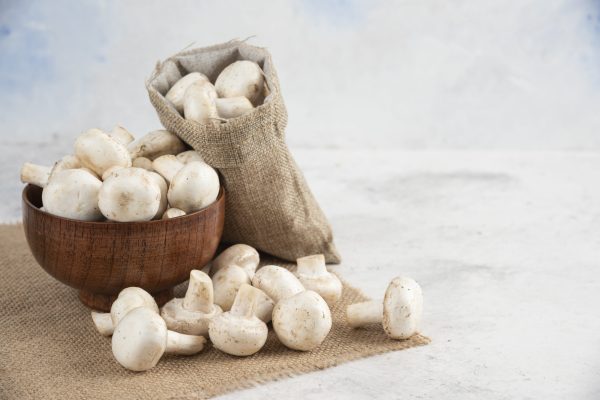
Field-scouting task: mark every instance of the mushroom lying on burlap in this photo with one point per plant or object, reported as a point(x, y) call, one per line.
point(130, 194)
point(241, 255)
point(226, 283)
point(192, 314)
point(400, 313)
point(277, 282)
point(128, 299)
point(141, 338)
point(303, 321)
point(312, 273)
point(239, 331)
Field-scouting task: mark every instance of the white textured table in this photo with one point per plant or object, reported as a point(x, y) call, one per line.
point(505, 245)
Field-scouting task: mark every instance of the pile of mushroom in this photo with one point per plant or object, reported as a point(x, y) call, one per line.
point(234, 307)
point(110, 176)
point(237, 90)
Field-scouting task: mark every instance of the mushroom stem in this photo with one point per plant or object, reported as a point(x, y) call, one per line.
point(367, 312)
point(121, 135)
point(311, 265)
point(103, 322)
point(199, 295)
point(245, 301)
point(179, 343)
point(37, 175)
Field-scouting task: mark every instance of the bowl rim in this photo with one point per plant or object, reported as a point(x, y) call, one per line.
point(30, 205)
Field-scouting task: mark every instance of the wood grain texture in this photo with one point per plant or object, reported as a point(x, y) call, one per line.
point(102, 258)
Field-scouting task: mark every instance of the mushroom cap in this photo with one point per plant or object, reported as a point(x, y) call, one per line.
point(173, 213)
point(241, 255)
point(226, 283)
point(302, 321)
point(277, 282)
point(189, 156)
point(139, 340)
point(162, 184)
point(402, 308)
point(241, 78)
point(98, 151)
point(176, 94)
point(73, 193)
point(156, 144)
point(199, 102)
point(130, 194)
point(194, 187)
point(142, 162)
point(232, 107)
point(328, 286)
point(129, 299)
point(264, 306)
point(190, 322)
point(239, 336)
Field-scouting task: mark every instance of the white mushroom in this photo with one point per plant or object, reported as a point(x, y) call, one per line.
point(232, 107)
point(176, 94)
point(192, 314)
point(167, 166)
point(241, 255)
point(69, 161)
point(73, 193)
point(277, 282)
point(128, 299)
point(194, 187)
point(241, 78)
point(142, 162)
point(173, 213)
point(121, 135)
point(199, 102)
point(164, 188)
point(141, 338)
point(39, 175)
point(239, 332)
point(226, 283)
point(400, 313)
point(156, 144)
point(98, 151)
point(35, 174)
point(302, 321)
point(110, 171)
point(313, 275)
point(189, 156)
point(264, 305)
point(129, 194)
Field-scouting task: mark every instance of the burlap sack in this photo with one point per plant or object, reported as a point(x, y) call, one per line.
point(269, 205)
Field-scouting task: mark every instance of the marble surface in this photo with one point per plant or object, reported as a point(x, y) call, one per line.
point(506, 246)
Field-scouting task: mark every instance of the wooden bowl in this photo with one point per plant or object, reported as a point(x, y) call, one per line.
point(102, 258)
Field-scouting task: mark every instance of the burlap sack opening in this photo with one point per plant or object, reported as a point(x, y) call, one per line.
point(269, 205)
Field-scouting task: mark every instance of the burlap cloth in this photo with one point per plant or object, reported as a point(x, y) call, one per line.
point(49, 348)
